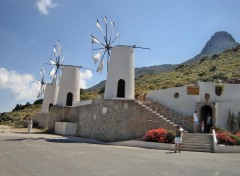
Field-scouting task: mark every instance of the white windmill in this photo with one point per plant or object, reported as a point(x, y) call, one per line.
point(66, 77)
point(51, 91)
point(41, 83)
point(44, 89)
point(120, 82)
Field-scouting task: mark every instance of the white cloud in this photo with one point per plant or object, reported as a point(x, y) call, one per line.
point(21, 86)
point(44, 6)
point(85, 76)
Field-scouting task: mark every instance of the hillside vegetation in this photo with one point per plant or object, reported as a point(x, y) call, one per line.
point(20, 114)
point(224, 66)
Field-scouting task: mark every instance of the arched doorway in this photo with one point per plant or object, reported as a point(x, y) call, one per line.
point(49, 107)
point(69, 99)
point(206, 111)
point(121, 88)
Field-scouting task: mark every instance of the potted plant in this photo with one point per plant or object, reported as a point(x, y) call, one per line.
point(218, 89)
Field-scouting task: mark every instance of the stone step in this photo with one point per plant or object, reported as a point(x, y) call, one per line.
point(197, 139)
point(198, 146)
point(197, 150)
point(198, 134)
point(196, 143)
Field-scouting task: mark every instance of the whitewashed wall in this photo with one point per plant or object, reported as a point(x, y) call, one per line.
point(69, 82)
point(184, 104)
point(231, 92)
point(121, 66)
point(222, 109)
point(50, 97)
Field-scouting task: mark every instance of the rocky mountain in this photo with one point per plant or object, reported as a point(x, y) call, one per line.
point(218, 43)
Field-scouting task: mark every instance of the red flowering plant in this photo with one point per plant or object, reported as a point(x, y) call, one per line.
point(227, 138)
point(160, 135)
point(237, 134)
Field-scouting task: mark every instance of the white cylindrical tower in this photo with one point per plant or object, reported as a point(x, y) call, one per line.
point(120, 81)
point(69, 87)
point(50, 97)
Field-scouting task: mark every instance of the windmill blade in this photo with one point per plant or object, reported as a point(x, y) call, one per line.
point(39, 90)
point(97, 56)
point(53, 72)
point(58, 48)
point(52, 62)
point(117, 35)
point(62, 59)
point(99, 26)
point(134, 46)
point(112, 23)
point(55, 51)
point(95, 40)
point(100, 66)
point(105, 19)
point(42, 71)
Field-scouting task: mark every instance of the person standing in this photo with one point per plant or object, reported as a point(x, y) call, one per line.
point(195, 121)
point(209, 122)
point(30, 123)
point(178, 139)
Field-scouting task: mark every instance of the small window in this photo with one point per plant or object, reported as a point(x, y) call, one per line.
point(176, 95)
point(50, 105)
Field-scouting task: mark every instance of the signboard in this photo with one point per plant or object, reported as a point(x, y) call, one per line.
point(192, 90)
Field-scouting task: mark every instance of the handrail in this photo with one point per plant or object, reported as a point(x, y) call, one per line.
point(214, 140)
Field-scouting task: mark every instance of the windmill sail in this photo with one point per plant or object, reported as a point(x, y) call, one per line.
point(96, 57)
point(103, 42)
point(57, 62)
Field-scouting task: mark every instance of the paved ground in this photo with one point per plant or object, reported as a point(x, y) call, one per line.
point(39, 154)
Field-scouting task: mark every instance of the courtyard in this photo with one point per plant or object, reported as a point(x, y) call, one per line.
point(42, 154)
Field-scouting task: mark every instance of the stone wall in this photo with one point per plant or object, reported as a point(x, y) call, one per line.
point(109, 120)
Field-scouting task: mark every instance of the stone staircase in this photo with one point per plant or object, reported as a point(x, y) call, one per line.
point(169, 114)
point(198, 142)
point(157, 114)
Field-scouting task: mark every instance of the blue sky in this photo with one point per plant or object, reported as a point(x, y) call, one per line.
point(174, 30)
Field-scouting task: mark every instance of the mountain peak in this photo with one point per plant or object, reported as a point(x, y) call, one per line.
point(219, 42)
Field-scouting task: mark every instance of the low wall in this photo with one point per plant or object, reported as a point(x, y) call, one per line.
point(109, 120)
point(65, 128)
